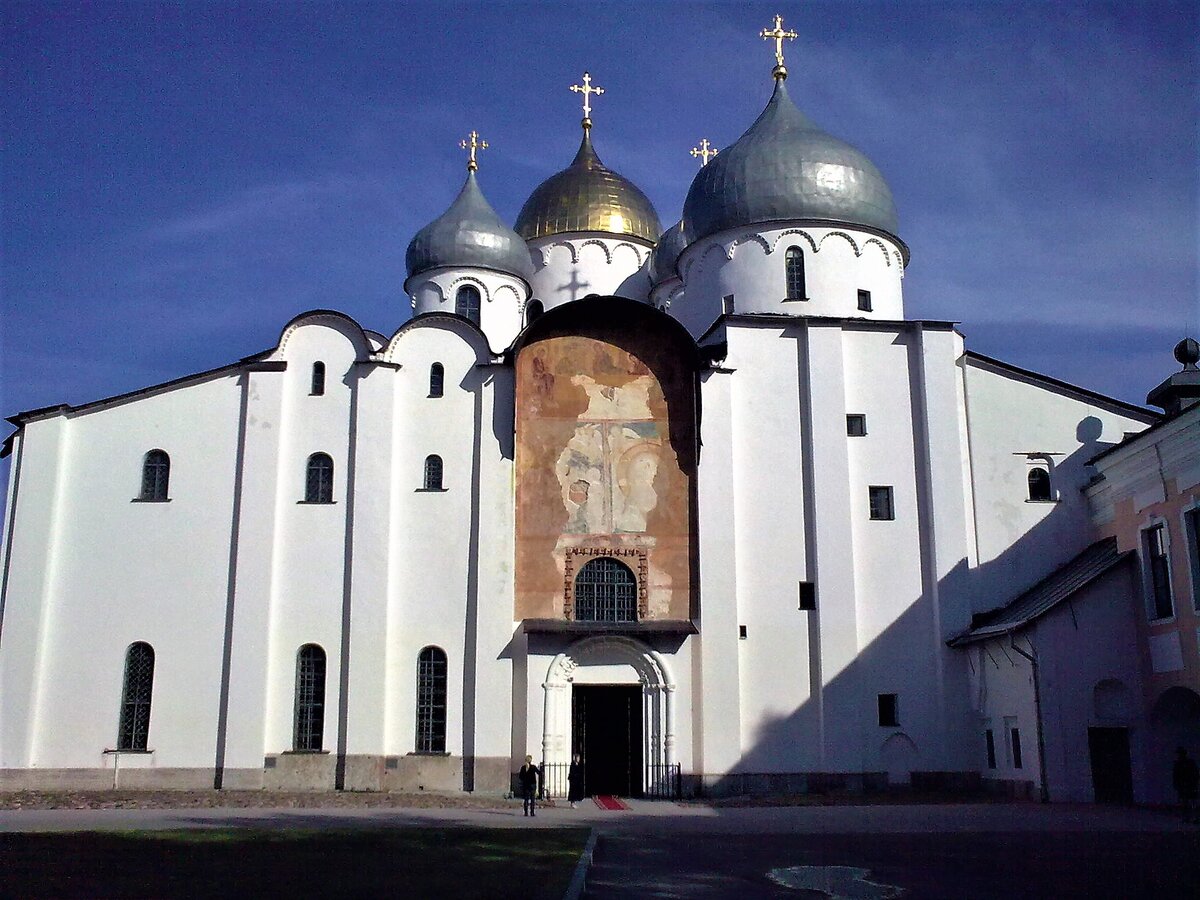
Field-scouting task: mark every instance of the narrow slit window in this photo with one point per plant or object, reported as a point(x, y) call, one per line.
point(318, 379)
point(134, 728)
point(433, 473)
point(437, 380)
point(989, 738)
point(1015, 737)
point(308, 734)
point(864, 301)
point(431, 701)
point(1192, 520)
point(466, 302)
point(1155, 543)
point(156, 475)
point(881, 502)
point(794, 268)
point(318, 479)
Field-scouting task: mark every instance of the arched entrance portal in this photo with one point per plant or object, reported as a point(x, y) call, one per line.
point(611, 698)
point(1174, 722)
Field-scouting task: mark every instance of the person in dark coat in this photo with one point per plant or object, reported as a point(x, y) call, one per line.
point(528, 777)
point(575, 781)
point(1186, 778)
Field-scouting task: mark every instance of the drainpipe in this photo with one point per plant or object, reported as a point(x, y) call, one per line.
point(1037, 707)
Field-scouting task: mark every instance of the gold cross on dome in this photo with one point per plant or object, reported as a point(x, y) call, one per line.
point(704, 151)
point(587, 90)
point(777, 34)
point(471, 146)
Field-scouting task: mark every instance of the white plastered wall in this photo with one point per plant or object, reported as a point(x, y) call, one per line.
point(571, 267)
point(501, 304)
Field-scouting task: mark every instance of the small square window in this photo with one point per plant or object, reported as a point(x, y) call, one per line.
point(881, 502)
point(889, 711)
point(864, 301)
point(742, 632)
point(808, 595)
point(856, 425)
point(727, 304)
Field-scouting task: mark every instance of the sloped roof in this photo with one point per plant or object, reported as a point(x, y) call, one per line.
point(1052, 590)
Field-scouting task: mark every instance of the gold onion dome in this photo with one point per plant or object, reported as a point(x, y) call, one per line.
point(588, 196)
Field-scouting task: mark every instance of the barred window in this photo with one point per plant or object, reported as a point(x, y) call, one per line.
point(605, 591)
point(1039, 484)
point(437, 380)
point(318, 379)
point(156, 473)
point(318, 479)
point(881, 502)
point(433, 473)
point(466, 302)
point(134, 728)
point(431, 701)
point(794, 266)
point(310, 698)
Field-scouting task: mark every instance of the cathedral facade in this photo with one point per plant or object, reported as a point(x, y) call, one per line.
point(701, 505)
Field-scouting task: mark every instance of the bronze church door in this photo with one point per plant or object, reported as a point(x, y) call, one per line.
point(606, 732)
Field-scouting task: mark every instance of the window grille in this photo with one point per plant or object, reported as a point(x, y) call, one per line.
point(433, 473)
point(881, 503)
point(310, 698)
point(1160, 571)
point(437, 380)
point(466, 302)
point(864, 301)
point(605, 591)
point(318, 481)
point(134, 728)
point(794, 267)
point(856, 425)
point(1039, 484)
point(156, 473)
point(318, 379)
point(431, 701)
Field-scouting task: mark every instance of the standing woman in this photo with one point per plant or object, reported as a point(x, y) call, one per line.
point(575, 781)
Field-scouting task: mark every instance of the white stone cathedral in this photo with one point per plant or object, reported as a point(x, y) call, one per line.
point(702, 506)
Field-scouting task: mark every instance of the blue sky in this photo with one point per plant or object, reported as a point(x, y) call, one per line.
point(181, 179)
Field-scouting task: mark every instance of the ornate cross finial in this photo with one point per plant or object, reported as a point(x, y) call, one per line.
point(471, 146)
point(704, 151)
point(777, 34)
point(587, 90)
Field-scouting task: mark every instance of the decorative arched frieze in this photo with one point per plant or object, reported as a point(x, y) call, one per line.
point(598, 243)
point(850, 240)
point(547, 250)
point(508, 288)
point(887, 258)
point(469, 279)
point(748, 239)
point(639, 254)
point(698, 260)
point(795, 231)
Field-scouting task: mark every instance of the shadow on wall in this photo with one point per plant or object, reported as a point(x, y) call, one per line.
point(835, 734)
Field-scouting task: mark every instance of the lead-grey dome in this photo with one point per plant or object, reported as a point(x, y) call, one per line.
point(666, 253)
point(469, 233)
point(784, 167)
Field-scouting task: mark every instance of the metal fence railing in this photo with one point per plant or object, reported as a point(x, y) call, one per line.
point(663, 782)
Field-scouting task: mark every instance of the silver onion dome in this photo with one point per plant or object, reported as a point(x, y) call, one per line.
point(469, 233)
point(666, 253)
point(784, 167)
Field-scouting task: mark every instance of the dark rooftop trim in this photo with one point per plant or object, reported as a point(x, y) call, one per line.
point(1152, 430)
point(649, 626)
point(1058, 586)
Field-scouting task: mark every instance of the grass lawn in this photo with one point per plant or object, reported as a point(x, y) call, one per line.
point(227, 862)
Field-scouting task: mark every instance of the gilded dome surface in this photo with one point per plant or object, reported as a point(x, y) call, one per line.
point(587, 196)
point(784, 167)
point(469, 233)
point(670, 244)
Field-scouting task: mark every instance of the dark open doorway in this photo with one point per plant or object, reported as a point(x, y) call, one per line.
point(606, 732)
point(1112, 777)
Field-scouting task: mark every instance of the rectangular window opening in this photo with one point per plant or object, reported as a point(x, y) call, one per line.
point(1192, 519)
point(741, 632)
point(808, 595)
point(1159, 571)
point(881, 502)
point(889, 711)
point(990, 737)
point(864, 301)
point(1015, 734)
point(727, 304)
point(856, 425)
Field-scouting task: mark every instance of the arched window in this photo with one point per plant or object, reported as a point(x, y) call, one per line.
point(433, 473)
point(431, 701)
point(605, 591)
point(1039, 484)
point(156, 472)
point(794, 265)
point(466, 302)
point(318, 379)
point(310, 698)
point(135, 697)
point(318, 479)
point(533, 310)
point(437, 380)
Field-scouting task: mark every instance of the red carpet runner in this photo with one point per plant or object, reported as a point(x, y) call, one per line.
point(607, 802)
